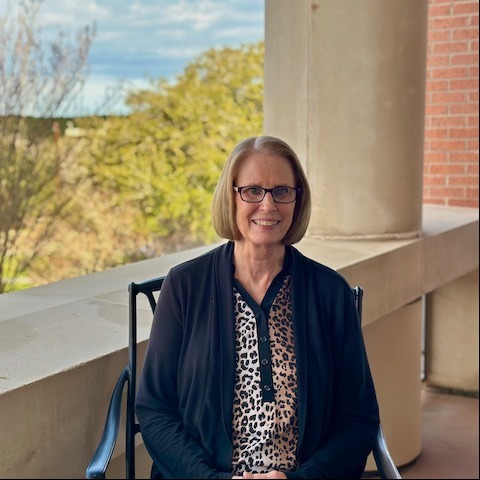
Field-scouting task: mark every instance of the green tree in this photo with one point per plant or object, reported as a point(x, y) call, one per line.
point(41, 79)
point(166, 157)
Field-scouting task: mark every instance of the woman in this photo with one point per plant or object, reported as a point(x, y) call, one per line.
point(256, 366)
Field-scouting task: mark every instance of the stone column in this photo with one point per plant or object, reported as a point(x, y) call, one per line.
point(393, 346)
point(345, 86)
point(452, 332)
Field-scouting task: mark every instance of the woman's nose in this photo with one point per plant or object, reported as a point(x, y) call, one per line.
point(268, 203)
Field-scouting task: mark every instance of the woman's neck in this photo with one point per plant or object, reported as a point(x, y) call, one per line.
point(256, 268)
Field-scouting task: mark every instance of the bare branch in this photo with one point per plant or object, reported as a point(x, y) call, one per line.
point(37, 79)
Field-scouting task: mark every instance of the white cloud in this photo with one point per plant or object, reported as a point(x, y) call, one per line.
point(72, 12)
point(241, 32)
point(172, 52)
point(158, 38)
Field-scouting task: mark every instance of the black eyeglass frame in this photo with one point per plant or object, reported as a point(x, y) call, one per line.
point(297, 190)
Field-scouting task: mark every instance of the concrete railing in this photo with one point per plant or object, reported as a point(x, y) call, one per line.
point(63, 345)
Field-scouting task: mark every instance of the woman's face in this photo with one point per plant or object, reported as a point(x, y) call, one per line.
point(267, 222)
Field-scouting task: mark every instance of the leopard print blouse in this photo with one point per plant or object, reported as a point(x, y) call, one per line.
point(265, 426)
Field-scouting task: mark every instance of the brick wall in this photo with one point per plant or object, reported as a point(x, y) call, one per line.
point(451, 121)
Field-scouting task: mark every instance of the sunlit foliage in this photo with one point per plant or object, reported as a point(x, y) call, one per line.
point(166, 157)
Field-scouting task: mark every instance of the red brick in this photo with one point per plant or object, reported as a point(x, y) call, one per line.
point(449, 72)
point(444, 97)
point(450, 22)
point(434, 201)
point(466, 7)
point(448, 169)
point(455, 202)
point(464, 59)
point(459, 121)
point(438, 60)
point(451, 47)
point(438, 110)
point(447, 192)
point(463, 133)
point(464, 84)
point(462, 180)
point(437, 86)
point(472, 192)
point(453, 57)
point(435, 157)
point(464, 34)
point(436, 133)
point(435, 181)
point(466, 108)
point(465, 157)
point(473, 72)
point(448, 145)
point(473, 97)
point(437, 35)
point(440, 10)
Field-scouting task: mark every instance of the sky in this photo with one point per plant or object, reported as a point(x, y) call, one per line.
point(140, 39)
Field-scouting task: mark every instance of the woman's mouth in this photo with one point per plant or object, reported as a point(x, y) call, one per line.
point(266, 223)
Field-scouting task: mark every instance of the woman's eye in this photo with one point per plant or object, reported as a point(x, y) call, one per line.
point(281, 191)
point(254, 191)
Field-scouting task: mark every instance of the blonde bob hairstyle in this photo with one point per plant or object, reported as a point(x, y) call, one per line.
point(223, 205)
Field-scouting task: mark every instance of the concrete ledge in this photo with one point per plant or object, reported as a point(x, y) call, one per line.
point(56, 327)
point(396, 272)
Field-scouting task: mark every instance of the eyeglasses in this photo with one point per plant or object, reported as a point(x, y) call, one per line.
point(254, 194)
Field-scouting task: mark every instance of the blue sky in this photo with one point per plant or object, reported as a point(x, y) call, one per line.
point(140, 39)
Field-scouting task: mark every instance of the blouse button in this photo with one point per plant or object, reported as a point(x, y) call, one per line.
point(264, 361)
point(263, 339)
point(266, 388)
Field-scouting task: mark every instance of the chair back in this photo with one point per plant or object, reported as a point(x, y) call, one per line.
point(101, 458)
point(385, 465)
point(148, 288)
point(358, 300)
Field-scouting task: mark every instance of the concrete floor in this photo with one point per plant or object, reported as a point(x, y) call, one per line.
point(450, 431)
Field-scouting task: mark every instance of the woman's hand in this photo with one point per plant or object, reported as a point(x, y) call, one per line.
point(272, 474)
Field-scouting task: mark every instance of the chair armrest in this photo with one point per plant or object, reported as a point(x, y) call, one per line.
point(385, 465)
point(101, 458)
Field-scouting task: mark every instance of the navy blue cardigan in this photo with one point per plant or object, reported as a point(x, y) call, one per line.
point(185, 396)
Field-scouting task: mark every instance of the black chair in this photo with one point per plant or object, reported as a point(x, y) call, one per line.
point(101, 458)
point(383, 460)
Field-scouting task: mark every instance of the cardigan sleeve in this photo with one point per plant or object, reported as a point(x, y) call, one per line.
point(353, 415)
point(175, 452)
